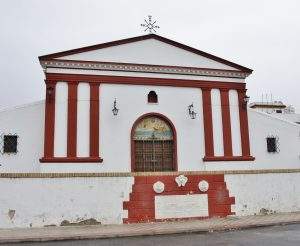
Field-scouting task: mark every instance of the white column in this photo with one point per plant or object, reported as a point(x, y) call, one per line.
point(217, 122)
point(83, 120)
point(61, 120)
point(235, 123)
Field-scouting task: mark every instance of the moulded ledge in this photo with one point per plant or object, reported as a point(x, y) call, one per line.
point(228, 158)
point(71, 159)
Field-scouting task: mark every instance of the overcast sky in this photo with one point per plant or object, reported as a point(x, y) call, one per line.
point(260, 34)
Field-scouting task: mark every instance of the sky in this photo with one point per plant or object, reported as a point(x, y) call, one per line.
point(263, 35)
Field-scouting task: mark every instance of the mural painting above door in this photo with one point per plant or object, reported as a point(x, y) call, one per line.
point(153, 145)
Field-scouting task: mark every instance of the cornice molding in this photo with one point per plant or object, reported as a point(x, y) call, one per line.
point(144, 68)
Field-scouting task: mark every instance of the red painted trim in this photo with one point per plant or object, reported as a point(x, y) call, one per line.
point(229, 158)
point(72, 120)
point(207, 122)
point(244, 124)
point(71, 159)
point(49, 119)
point(227, 140)
point(141, 204)
point(94, 120)
point(164, 118)
point(144, 81)
point(145, 37)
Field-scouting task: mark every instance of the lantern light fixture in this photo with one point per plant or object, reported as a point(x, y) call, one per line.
point(191, 111)
point(245, 102)
point(246, 99)
point(50, 90)
point(115, 110)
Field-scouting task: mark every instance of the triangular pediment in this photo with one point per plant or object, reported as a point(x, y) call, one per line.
point(148, 49)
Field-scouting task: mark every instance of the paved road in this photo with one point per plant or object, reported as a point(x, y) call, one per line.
point(271, 236)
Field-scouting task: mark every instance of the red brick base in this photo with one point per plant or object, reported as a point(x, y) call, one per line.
point(141, 207)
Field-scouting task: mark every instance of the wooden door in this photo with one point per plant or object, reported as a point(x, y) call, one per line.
point(153, 145)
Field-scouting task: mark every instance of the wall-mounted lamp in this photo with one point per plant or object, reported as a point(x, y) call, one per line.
point(115, 110)
point(191, 111)
point(245, 101)
point(50, 90)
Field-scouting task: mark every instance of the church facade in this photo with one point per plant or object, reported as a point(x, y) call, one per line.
point(162, 125)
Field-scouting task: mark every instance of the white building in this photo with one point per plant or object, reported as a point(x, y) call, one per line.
point(145, 104)
point(277, 109)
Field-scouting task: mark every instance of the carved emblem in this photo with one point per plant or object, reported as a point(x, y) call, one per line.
point(181, 180)
point(203, 185)
point(159, 187)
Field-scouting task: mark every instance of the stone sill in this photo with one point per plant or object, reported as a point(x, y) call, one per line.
point(228, 158)
point(71, 159)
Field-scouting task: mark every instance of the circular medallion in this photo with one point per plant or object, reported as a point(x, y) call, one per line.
point(159, 187)
point(203, 185)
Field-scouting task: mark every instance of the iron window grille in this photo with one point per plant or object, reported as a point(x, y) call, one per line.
point(9, 144)
point(272, 144)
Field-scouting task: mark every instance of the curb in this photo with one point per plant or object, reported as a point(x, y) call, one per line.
point(137, 233)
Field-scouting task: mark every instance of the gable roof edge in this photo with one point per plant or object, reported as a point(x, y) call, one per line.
point(140, 38)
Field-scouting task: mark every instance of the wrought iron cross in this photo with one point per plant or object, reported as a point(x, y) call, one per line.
point(149, 25)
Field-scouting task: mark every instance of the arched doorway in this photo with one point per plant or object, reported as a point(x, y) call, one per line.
point(153, 144)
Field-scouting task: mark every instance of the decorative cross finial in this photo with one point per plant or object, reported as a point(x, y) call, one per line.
point(149, 25)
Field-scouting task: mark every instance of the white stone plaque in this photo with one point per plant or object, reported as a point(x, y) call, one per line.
point(181, 206)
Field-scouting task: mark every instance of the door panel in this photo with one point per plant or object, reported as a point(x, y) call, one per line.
point(153, 155)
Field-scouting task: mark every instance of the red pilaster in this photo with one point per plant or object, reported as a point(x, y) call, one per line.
point(227, 140)
point(72, 119)
point(94, 119)
point(49, 119)
point(244, 123)
point(208, 124)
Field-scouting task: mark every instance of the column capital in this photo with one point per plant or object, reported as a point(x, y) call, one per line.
point(94, 83)
point(206, 88)
point(73, 82)
point(50, 81)
point(224, 89)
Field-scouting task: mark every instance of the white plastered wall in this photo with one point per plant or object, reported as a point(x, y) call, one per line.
point(262, 125)
point(28, 123)
point(217, 122)
point(132, 102)
point(83, 120)
point(264, 193)
point(149, 51)
point(39, 202)
point(235, 123)
point(61, 120)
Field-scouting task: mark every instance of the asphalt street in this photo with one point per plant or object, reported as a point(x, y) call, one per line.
point(284, 235)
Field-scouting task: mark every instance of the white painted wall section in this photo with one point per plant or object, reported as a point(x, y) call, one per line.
point(264, 193)
point(235, 123)
point(217, 122)
point(61, 119)
point(132, 102)
point(149, 51)
point(27, 122)
point(83, 120)
point(40, 202)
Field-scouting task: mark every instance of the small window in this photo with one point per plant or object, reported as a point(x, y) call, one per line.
point(10, 143)
point(272, 145)
point(152, 97)
point(279, 111)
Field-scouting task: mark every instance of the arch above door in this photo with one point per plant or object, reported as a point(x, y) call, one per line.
point(153, 144)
